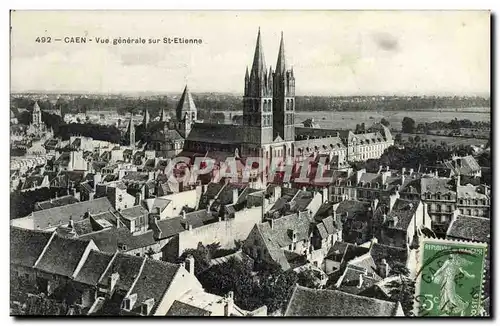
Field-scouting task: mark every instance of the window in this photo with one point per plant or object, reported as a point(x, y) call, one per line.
point(126, 304)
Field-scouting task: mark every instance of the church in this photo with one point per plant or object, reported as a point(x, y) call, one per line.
point(269, 128)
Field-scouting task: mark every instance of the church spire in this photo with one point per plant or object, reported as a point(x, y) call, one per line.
point(281, 64)
point(163, 115)
point(259, 63)
point(131, 131)
point(145, 119)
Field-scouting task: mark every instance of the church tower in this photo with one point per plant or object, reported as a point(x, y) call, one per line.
point(284, 98)
point(37, 116)
point(258, 97)
point(186, 113)
point(131, 132)
point(186, 105)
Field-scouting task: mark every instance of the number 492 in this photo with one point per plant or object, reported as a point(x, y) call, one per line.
point(43, 39)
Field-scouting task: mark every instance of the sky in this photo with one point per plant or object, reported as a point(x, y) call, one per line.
point(332, 52)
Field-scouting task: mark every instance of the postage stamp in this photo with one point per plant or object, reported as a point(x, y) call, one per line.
point(449, 278)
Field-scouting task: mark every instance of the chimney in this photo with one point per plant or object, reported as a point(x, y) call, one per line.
point(209, 206)
point(379, 169)
point(235, 195)
point(228, 308)
point(190, 264)
point(392, 200)
point(374, 205)
point(411, 171)
point(113, 280)
point(271, 223)
point(121, 174)
point(97, 179)
point(387, 168)
point(71, 224)
point(184, 215)
point(384, 269)
point(360, 284)
point(359, 173)
point(403, 171)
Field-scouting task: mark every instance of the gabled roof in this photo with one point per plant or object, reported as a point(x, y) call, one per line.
point(52, 217)
point(403, 210)
point(127, 266)
point(470, 228)
point(27, 245)
point(93, 268)
point(307, 302)
point(216, 133)
point(183, 309)
point(133, 212)
point(112, 239)
point(176, 225)
point(393, 255)
point(55, 202)
point(62, 256)
point(154, 280)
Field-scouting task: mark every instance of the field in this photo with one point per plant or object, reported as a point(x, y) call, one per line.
point(349, 119)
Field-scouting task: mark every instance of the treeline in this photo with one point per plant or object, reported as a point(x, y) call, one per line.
point(388, 103)
point(414, 156)
point(223, 102)
point(453, 124)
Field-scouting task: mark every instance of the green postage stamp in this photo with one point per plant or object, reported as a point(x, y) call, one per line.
point(449, 278)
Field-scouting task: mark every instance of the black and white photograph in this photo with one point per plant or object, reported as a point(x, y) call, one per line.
point(250, 163)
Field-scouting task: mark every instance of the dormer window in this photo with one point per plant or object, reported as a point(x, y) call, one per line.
point(126, 304)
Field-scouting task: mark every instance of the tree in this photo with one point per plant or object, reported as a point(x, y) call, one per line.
point(385, 122)
point(397, 138)
point(403, 290)
point(277, 287)
point(201, 257)
point(308, 278)
point(408, 125)
point(417, 139)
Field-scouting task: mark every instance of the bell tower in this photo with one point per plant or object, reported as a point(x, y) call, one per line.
point(283, 98)
point(258, 97)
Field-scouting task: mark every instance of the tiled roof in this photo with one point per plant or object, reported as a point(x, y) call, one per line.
point(470, 191)
point(52, 217)
point(27, 245)
point(183, 309)
point(55, 202)
point(154, 280)
point(93, 268)
point(392, 255)
point(112, 239)
point(154, 203)
point(280, 234)
point(133, 212)
point(62, 256)
point(350, 280)
point(216, 133)
point(470, 228)
point(404, 211)
point(127, 266)
point(307, 302)
point(435, 185)
point(176, 225)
